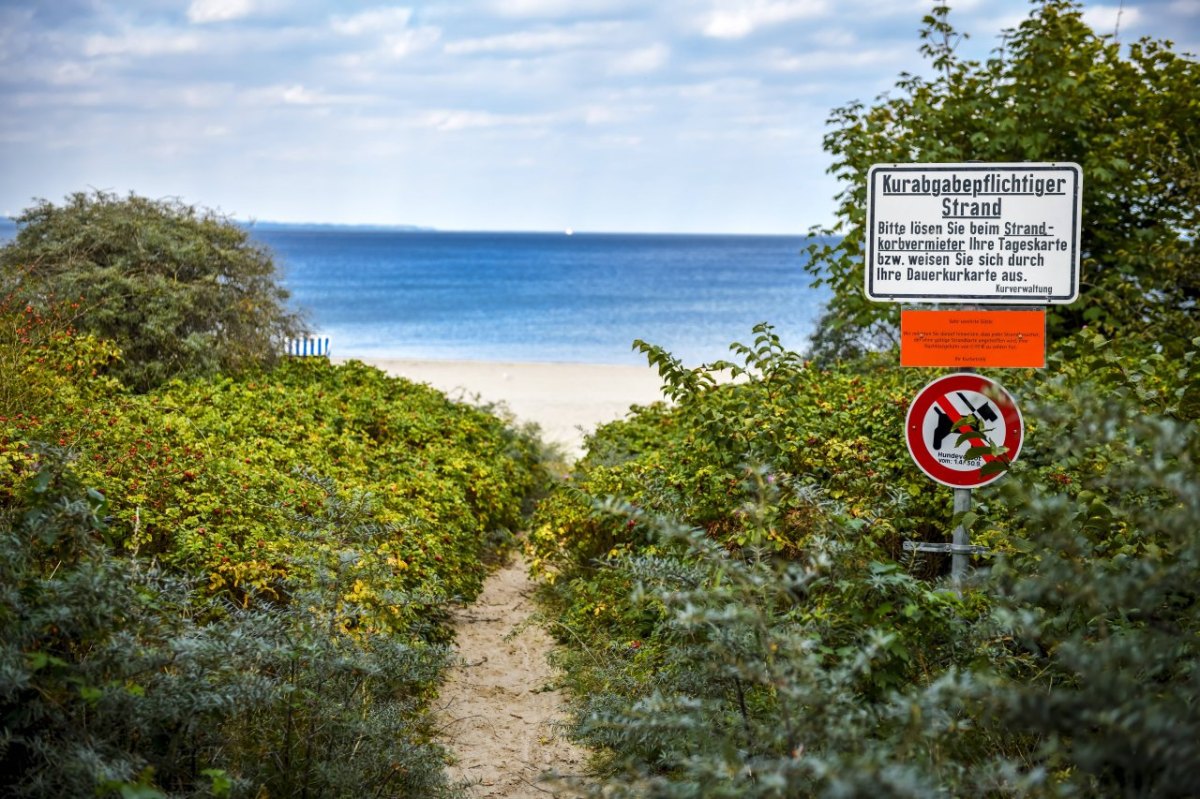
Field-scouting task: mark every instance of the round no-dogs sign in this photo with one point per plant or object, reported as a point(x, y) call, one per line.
point(959, 426)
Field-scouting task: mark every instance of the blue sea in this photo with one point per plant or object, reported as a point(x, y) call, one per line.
point(541, 296)
point(544, 296)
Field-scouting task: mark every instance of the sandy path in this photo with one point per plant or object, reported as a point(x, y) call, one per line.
point(496, 715)
point(495, 710)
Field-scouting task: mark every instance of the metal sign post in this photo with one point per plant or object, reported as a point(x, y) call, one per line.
point(960, 549)
point(960, 559)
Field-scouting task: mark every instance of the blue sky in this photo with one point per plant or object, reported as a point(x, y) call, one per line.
point(607, 115)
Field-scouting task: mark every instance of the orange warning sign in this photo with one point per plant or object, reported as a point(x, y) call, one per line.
point(978, 339)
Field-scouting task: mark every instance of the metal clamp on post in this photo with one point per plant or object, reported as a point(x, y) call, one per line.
point(945, 548)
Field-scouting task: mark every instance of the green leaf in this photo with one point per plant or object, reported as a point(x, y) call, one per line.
point(993, 467)
point(42, 482)
point(222, 785)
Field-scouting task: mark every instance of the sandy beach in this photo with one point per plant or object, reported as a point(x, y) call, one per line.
point(566, 400)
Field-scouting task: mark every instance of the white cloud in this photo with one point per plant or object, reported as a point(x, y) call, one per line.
point(412, 41)
point(203, 11)
point(642, 61)
point(298, 95)
point(1186, 8)
point(448, 120)
point(531, 41)
point(996, 24)
point(541, 40)
point(375, 20)
point(735, 19)
point(556, 8)
point(142, 42)
point(831, 37)
point(1110, 19)
point(205, 96)
point(622, 141)
point(70, 72)
point(458, 120)
point(600, 115)
point(609, 114)
point(823, 60)
point(392, 25)
point(721, 88)
point(294, 94)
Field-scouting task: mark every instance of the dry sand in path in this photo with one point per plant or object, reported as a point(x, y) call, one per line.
point(496, 711)
point(566, 400)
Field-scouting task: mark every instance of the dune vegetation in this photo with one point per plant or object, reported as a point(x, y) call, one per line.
point(226, 573)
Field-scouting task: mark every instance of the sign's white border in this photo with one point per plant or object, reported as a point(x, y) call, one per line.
point(921, 291)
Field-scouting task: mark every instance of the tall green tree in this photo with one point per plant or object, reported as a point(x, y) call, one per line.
point(1054, 90)
point(182, 291)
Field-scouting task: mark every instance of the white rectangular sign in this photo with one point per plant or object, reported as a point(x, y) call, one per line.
point(1004, 234)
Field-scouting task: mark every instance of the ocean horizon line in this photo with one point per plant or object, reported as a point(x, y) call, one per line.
point(8, 223)
point(352, 227)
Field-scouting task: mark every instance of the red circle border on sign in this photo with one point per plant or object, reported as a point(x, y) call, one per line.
point(914, 423)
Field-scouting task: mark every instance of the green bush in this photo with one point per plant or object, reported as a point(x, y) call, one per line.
point(44, 360)
point(236, 586)
point(209, 476)
point(786, 422)
point(118, 678)
point(181, 291)
point(1100, 608)
point(740, 619)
